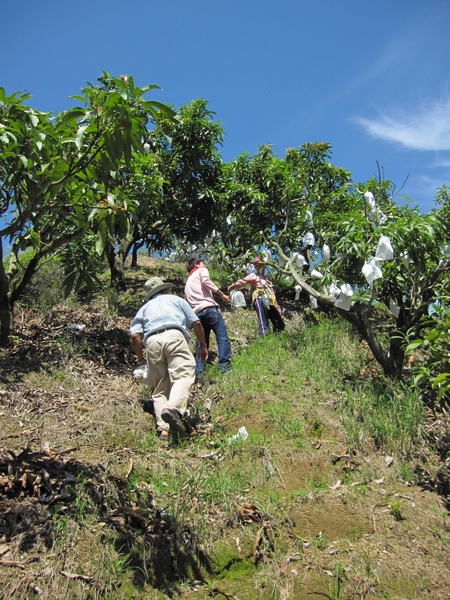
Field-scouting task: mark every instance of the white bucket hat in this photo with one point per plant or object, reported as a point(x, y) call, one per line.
point(154, 286)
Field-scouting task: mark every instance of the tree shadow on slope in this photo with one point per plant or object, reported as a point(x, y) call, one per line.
point(161, 551)
point(38, 489)
point(47, 342)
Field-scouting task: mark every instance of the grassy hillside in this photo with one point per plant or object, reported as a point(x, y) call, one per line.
point(340, 489)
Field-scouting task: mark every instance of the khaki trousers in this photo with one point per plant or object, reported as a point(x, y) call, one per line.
point(171, 371)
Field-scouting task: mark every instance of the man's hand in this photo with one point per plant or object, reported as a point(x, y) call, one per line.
point(199, 332)
point(202, 354)
point(138, 347)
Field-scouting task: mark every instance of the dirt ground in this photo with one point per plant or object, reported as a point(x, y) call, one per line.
point(339, 524)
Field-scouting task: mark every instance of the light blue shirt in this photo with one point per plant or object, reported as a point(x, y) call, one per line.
point(161, 312)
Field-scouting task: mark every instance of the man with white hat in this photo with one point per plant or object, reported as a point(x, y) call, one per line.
point(160, 326)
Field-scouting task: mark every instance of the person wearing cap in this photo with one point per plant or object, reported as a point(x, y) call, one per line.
point(199, 290)
point(160, 326)
point(263, 298)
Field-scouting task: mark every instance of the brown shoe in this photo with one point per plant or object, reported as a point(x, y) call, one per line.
point(173, 418)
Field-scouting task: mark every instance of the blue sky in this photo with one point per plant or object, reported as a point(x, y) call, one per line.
point(371, 78)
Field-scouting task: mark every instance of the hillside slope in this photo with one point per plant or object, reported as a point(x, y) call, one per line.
point(93, 505)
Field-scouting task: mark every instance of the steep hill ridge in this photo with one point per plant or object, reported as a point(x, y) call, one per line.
point(93, 505)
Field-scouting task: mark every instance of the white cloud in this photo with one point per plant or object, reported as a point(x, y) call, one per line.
point(425, 128)
point(441, 162)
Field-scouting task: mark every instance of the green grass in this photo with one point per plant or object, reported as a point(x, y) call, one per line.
point(291, 390)
point(391, 418)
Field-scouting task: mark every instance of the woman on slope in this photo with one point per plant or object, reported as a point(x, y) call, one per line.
point(263, 298)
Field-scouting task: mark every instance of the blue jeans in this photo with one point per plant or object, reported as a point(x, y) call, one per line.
point(212, 320)
point(265, 315)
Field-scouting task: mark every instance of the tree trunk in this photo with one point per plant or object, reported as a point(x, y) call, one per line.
point(136, 247)
point(134, 254)
point(390, 360)
point(397, 356)
point(116, 268)
point(5, 313)
point(5, 322)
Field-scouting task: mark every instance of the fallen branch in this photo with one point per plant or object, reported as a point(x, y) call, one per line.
point(10, 563)
point(130, 469)
point(37, 590)
point(77, 576)
point(217, 591)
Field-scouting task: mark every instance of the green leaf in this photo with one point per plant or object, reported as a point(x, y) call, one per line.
point(35, 239)
point(59, 170)
point(440, 378)
point(72, 115)
point(414, 345)
point(34, 120)
point(23, 159)
point(100, 239)
point(68, 283)
point(443, 390)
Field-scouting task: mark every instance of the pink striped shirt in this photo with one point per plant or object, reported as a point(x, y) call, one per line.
point(254, 280)
point(199, 290)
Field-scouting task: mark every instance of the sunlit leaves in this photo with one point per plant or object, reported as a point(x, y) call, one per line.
point(56, 168)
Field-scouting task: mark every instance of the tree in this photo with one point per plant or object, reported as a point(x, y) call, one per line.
point(308, 211)
point(384, 295)
point(431, 367)
point(172, 186)
point(255, 189)
point(190, 164)
point(264, 193)
point(55, 175)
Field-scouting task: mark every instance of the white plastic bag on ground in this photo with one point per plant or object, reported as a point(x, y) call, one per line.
point(241, 435)
point(313, 302)
point(76, 327)
point(298, 289)
point(141, 374)
point(237, 298)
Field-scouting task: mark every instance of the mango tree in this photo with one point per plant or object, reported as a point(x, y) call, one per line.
point(264, 193)
point(55, 174)
point(173, 186)
point(189, 163)
point(379, 264)
point(432, 370)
